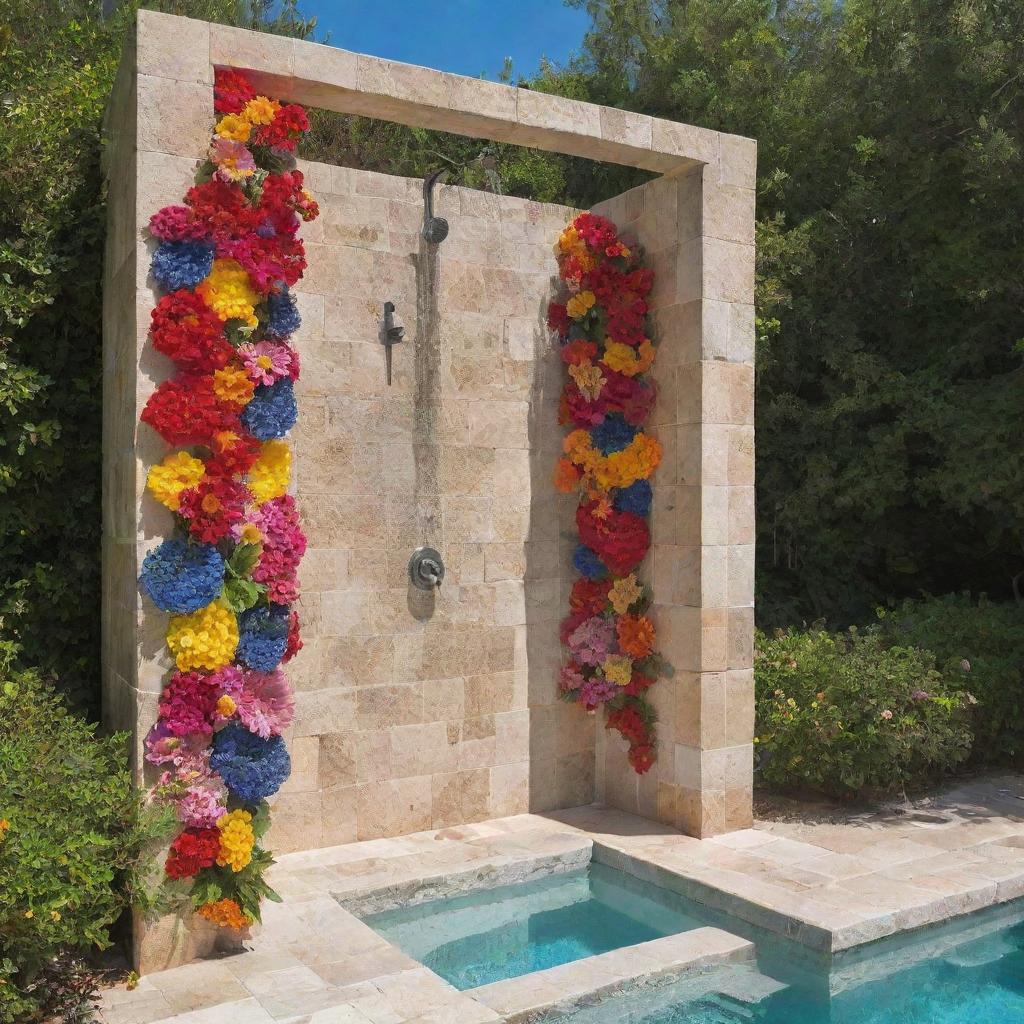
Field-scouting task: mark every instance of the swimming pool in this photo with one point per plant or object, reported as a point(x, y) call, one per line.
point(968, 972)
point(513, 930)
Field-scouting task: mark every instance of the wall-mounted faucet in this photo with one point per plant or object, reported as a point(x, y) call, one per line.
point(391, 334)
point(435, 229)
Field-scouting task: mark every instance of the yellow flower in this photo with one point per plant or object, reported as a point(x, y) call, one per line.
point(29, 914)
point(625, 592)
point(588, 379)
point(178, 472)
point(618, 669)
point(260, 111)
point(250, 534)
point(54, 915)
point(271, 472)
point(233, 385)
point(233, 127)
point(628, 360)
point(226, 705)
point(578, 306)
point(635, 462)
point(205, 639)
point(236, 839)
point(229, 293)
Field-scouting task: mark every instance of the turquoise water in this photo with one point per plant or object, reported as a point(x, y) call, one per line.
point(969, 972)
point(516, 929)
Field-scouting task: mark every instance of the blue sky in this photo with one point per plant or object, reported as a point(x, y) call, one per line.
point(469, 37)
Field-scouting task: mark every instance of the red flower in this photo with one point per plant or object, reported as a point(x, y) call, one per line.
point(288, 124)
point(185, 411)
point(187, 704)
point(558, 318)
point(213, 507)
point(233, 453)
point(638, 684)
point(269, 261)
point(294, 640)
point(620, 539)
point(598, 232)
point(193, 850)
point(222, 209)
point(589, 596)
point(627, 395)
point(574, 407)
point(642, 757)
point(185, 329)
point(578, 352)
point(231, 91)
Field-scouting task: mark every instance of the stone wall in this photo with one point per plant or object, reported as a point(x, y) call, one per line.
point(697, 230)
point(416, 711)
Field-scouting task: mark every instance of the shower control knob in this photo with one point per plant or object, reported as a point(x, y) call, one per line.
point(426, 568)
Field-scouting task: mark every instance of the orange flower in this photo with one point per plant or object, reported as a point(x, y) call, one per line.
point(636, 635)
point(226, 913)
point(567, 476)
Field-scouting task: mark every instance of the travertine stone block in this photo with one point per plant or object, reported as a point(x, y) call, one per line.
point(172, 47)
point(173, 117)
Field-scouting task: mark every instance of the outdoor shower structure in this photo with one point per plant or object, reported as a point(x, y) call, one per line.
point(425, 708)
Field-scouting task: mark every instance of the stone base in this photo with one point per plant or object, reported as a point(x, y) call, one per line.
point(176, 939)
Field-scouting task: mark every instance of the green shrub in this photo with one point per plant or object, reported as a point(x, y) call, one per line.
point(978, 646)
point(847, 714)
point(70, 835)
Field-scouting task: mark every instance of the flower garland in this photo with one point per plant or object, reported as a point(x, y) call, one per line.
point(226, 259)
point(608, 460)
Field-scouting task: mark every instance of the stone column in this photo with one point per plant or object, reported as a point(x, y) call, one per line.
point(158, 124)
point(697, 230)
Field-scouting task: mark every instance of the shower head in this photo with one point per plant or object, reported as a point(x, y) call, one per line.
point(435, 229)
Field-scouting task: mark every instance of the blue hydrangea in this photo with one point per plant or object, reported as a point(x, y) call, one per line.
point(282, 315)
point(262, 637)
point(182, 264)
point(588, 564)
point(180, 577)
point(613, 434)
point(252, 768)
point(272, 411)
point(635, 498)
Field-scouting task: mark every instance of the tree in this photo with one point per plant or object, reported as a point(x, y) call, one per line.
point(890, 232)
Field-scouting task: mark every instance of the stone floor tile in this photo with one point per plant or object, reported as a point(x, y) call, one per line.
point(235, 1012)
point(139, 1008)
point(292, 980)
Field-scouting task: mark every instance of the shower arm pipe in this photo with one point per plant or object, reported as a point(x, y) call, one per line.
point(428, 201)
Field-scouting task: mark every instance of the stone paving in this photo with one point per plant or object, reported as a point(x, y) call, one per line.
point(831, 882)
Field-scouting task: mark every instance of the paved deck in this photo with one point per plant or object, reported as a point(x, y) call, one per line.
point(829, 881)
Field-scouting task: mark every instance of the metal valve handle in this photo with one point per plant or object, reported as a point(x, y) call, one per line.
point(426, 568)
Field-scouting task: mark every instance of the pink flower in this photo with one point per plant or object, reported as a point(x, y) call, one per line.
point(887, 714)
point(591, 642)
point(176, 224)
point(162, 747)
point(265, 705)
point(233, 159)
point(284, 544)
point(201, 806)
point(266, 361)
point(571, 678)
point(596, 691)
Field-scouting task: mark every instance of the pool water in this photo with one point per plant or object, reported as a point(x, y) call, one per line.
point(516, 929)
point(967, 972)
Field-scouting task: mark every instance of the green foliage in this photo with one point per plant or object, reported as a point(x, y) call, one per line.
point(978, 646)
point(59, 61)
point(890, 219)
point(71, 843)
point(848, 715)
